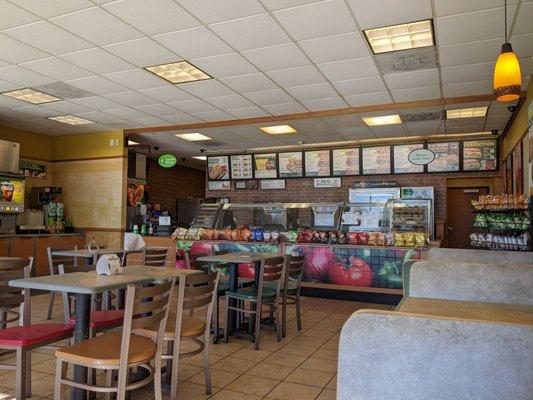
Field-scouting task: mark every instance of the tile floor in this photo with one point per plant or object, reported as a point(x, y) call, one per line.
point(302, 366)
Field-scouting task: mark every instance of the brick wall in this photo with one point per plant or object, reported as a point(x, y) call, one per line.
point(168, 184)
point(301, 190)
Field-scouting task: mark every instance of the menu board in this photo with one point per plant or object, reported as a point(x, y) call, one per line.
point(225, 185)
point(376, 160)
point(241, 167)
point(290, 164)
point(317, 163)
point(402, 165)
point(479, 155)
point(272, 184)
point(446, 157)
point(265, 165)
point(218, 168)
point(346, 161)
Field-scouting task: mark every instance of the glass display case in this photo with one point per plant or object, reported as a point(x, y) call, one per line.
point(408, 215)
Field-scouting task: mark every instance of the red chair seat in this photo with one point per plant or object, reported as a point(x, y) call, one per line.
point(24, 336)
point(104, 318)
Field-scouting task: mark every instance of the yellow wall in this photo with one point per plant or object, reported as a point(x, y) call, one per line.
point(88, 145)
point(519, 126)
point(33, 146)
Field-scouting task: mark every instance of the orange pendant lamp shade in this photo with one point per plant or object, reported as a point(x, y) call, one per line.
point(507, 77)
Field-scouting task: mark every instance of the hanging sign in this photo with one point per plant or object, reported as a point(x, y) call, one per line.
point(374, 184)
point(167, 160)
point(421, 156)
point(326, 183)
point(32, 169)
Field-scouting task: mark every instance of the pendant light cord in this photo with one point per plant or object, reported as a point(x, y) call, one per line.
point(505, 16)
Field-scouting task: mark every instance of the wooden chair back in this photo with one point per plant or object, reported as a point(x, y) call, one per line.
point(191, 260)
point(54, 261)
point(146, 307)
point(155, 256)
point(272, 270)
point(14, 302)
point(295, 269)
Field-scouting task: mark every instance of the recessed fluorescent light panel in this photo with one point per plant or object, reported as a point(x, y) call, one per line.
point(466, 112)
point(278, 129)
point(178, 72)
point(193, 137)
point(383, 120)
point(31, 96)
point(203, 158)
point(400, 37)
point(71, 120)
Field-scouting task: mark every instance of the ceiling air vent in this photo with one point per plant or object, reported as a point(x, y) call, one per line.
point(407, 60)
point(63, 91)
point(423, 116)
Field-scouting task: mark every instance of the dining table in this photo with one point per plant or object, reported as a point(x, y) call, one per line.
point(232, 260)
point(91, 255)
point(86, 284)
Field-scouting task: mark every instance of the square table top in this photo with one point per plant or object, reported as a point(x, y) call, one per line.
point(473, 310)
point(239, 257)
point(159, 272)
point(86, 253)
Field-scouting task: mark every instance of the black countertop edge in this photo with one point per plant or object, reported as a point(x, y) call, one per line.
point(25, 235)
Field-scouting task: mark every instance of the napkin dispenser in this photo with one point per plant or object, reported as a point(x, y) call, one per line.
point(108, 264)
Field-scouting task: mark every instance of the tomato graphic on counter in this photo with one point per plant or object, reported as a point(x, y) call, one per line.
point(357, 273)
point(246, 271)
point(318, 262)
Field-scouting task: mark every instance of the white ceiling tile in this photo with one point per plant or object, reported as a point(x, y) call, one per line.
point(467, 89)
point(127, 113)
point(523, 22)
point(52, 8)
point(274, 5)
point(131, 99)
point(8, 86)
point(36, 111)
point(17, 52)
point(378, 13)
point(335, 48)
point(269, 97)
point(467, 73)
point(158, 109)
point(216, 115)
point(98, 85)
point(249, 83)
point(166, 94)
point(448, 7)
point(192, 106)
point(367, 99)
point(419, 93)
point(349, 69)
point(122, 124)
point(355, 133)
point(316, 19)
point(23, 76)
point(360, 86)
point(251, 32)
point(523, 45)
point(299, 76)
point(413, 79)
point(97, 103)
point(478, 122)
point(388, 131)
point(229, 102)
point(526, 66)
point(285, 108)
point(276, 57)
point(137, 79)
point(248, 112)
point(474, 26)
point(343, 121)
point(498, 119)
point(206, 88)
point(152, 16)
point(181, 119)
point(66, 107)
point(221, 10)
point(149, 121)
point(225, 65)
point(423, 127)
point(97, 61)
point(152, 53)
point(462, 129)
point(325, 104)
point(97, 116)
point(11, 15)
point(470, 53)
point(193, 43)
point(47, 37)
point(312, 92)
point(57, 68)
point(97, 26)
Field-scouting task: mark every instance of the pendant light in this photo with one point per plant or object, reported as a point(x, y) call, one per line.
point(507, 77)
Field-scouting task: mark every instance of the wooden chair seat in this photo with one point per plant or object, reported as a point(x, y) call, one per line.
point(25, 336)
point(104, 351)
point(104, 319)
point(190, 327)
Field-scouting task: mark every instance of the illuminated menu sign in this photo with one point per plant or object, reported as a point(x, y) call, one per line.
point(376, 160)
point(446, 157)
point(480, 155)
point(346, 161)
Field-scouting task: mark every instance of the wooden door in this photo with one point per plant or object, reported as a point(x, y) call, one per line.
point(23, 247)
point(4, 247)
point(460, 217)
point(41, 255)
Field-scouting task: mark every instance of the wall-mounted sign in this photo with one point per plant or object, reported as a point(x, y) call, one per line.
point(376, 160)
point(346, 161)
point(290, 164)
point(479, 155)
point(420, 156)
point(402, 164)
point(266, 165)
point(251, 184)
point(326, 182)
point(167, 160)
point(375, 184)
point(317, 163)
point(241, 167)
point(32, 169)
point(272, 184)
point(219, 185)
point(446, 157)
point(218, 168)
